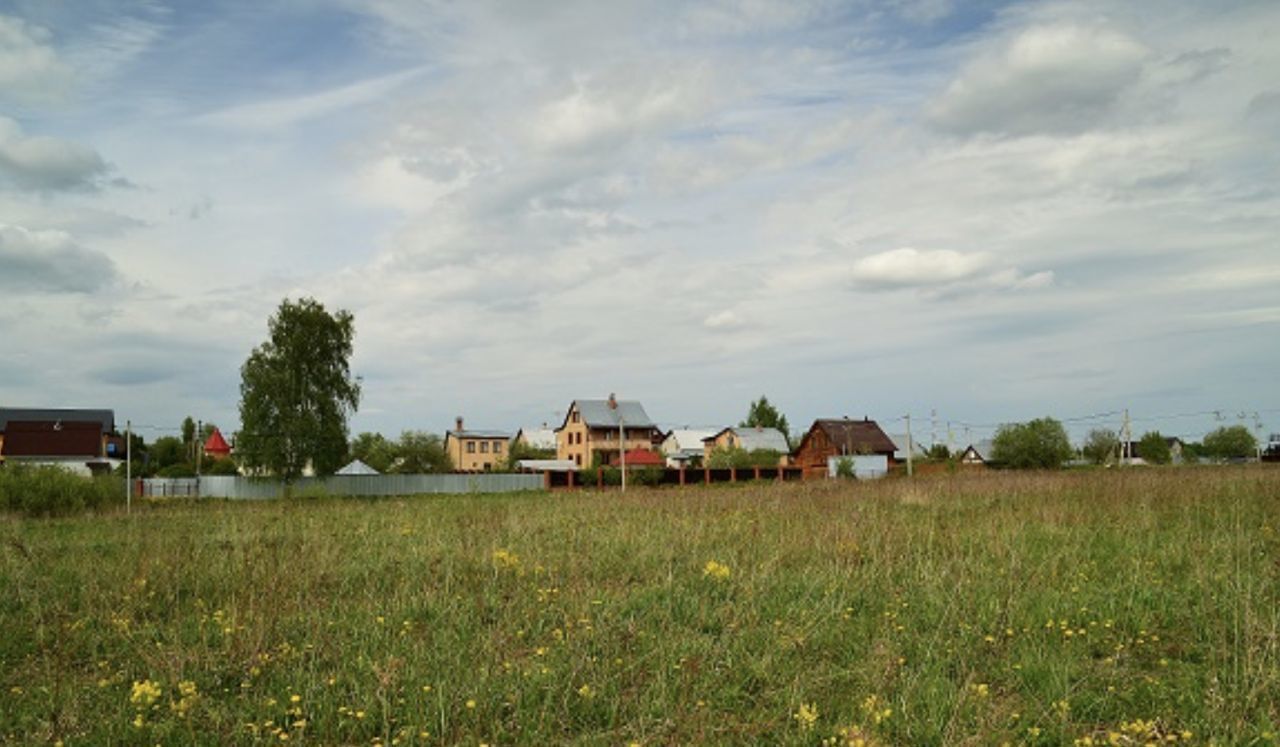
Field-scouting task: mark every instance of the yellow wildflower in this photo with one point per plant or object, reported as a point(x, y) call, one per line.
point(715, 570)
point(144, 693)
point(806, 716)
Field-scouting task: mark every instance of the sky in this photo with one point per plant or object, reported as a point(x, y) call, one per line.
point(972, 213)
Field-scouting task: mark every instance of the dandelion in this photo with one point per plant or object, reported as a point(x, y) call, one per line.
point(505, 560)
point(875, 709)
point(715, 570)
point(806, 716)
point(586, 692)
point(188, 693)
point(471, 704)
point(144, 694)
point(981, 689)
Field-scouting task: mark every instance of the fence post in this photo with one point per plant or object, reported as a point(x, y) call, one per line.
point(682, 474)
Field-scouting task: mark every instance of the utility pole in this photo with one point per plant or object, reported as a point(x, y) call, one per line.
point(910, 471)
point(1126, 440)
point(128, 466)
point(933, 428)
point(199, 446)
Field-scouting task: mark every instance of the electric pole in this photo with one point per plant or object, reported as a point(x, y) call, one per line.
point(199, 446)
point(128, 466)
point(909, 447)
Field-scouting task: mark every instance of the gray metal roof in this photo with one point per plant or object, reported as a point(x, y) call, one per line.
point(479, 434)
point(596, 413)
point(690, 439)
point(34, 414)
point(538, 438)
point(357, 467)
point(753, 439)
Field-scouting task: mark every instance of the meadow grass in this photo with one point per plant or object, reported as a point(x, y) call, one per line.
point(1123, 607)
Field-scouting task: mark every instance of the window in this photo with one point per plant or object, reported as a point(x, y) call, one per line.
point(471, 447)
point(577, 458)
point(497, 447)
point(574, 416)
point(484, 447)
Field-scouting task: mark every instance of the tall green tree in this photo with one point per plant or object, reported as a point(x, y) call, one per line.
point(1037, 444)
point(1230, 442)
point(188, 430)
point(1154, 448)
point(296, 392)
point(764, 415)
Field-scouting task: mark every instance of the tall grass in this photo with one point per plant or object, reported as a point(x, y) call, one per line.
point(1031, 609)
point(53, 491)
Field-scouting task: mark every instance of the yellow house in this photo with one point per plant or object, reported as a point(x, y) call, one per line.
point(476, 451)
point(598, 426)
point(749, 438)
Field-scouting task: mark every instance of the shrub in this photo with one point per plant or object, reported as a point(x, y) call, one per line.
point(1101, 446)
point(1230, 442)
point(181, 469)
point(53, 491)
point(1037, 444)
point(222, 467)
point(645, 476)
point(1155, 449)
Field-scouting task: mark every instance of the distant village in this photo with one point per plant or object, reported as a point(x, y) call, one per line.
point(595, 434)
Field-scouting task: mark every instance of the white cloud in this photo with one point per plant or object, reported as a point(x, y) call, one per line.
point(1057, 79)
point(723, 320)
point(906, 267)
point(941, 272)
point(46, 163)
point(30, 69)
point(286, 111)
point(35, 262)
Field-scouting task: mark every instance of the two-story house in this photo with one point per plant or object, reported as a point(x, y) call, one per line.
point(601, 427)
point(476, 451)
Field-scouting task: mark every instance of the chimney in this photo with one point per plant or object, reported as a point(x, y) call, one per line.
point(457, 424)
point(613, 401)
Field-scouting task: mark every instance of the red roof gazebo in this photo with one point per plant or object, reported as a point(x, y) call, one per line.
point(216, 447)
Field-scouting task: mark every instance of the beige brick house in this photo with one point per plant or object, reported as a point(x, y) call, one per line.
point(595, 426)
point(476, 451)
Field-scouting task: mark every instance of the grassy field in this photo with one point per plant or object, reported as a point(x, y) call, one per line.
point(1129, 607)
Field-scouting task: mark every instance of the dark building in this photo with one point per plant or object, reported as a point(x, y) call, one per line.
point(82, 440)
point(828, 438)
